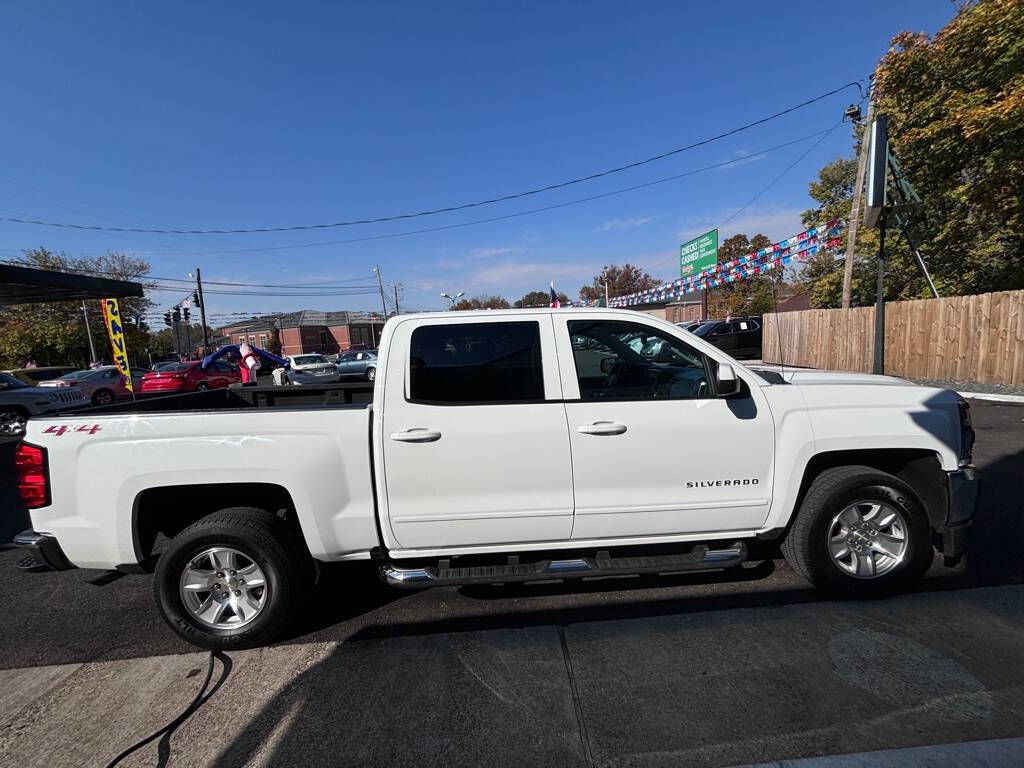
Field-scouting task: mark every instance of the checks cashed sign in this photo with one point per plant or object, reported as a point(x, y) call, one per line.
point(698, 254)
point(112, 318)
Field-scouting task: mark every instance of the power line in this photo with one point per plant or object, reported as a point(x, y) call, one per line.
point(445, 209)
point(779, 178)
point(824, 135)
point(188, 283)
point(529, 211)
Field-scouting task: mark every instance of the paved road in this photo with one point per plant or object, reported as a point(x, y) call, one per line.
point(697, 670)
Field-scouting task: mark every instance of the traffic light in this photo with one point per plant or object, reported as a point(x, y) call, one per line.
point(187, 314)
point(176, 314)
point(167, 319)
point(195, 299)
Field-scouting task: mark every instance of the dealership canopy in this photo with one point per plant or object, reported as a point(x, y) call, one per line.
point(24, 285)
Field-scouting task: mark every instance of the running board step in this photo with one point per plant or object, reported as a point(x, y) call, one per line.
point(700, 558)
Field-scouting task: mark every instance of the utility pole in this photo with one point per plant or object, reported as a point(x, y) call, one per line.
point(606, 294)
point(88, 332)
point(188, 340)
point(202, 311)
point(380, 285)
point(395, 286)
point(851, 235)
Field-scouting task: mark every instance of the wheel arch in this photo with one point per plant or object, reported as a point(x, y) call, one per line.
point(919, 468)
point(169, 509)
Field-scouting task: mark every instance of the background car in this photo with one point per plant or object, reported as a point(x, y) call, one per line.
point(189, 377)
point(690, 324)
point(32, 376)
point(101, 386)
point(19, 401)
point(361, 364)
point(312, 367)
point(738, 336)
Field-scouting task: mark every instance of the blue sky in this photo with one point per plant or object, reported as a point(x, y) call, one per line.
point(208, 115)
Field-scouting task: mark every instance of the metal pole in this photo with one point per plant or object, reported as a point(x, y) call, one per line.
point(188, 340)
point(88, 332)
point(917, 255)
point(177, 338)
point(880, 302)
point(851, 236)
point(606, 294)
point(395, 286)
point(202, 311)
point(380, 285)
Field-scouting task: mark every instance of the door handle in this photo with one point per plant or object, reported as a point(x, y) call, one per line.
point(417, 435)
point(602, 428)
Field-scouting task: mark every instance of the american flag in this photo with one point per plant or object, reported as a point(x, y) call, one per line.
point(555, 303)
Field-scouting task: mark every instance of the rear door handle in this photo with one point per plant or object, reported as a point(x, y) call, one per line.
point(418, 435)
point(602, 428)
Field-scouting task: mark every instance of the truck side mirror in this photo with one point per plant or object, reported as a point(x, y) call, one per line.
point(728, 383)
point(608, 364)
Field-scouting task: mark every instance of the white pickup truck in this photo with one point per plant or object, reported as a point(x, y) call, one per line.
point(502, 447)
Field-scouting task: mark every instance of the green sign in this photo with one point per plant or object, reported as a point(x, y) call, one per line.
point(698, 254)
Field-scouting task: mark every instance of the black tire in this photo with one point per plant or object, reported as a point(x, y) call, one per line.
point(371, 374)
point(262, 537)
point(102, 397)
point(806, 544)
point(202, 386)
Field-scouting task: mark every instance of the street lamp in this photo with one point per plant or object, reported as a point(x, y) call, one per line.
point(454, 298)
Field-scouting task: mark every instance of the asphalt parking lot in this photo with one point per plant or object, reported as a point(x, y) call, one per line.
point(708, 670)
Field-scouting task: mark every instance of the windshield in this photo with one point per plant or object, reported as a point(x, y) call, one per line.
point(705, 328)
point(309, 359)
point(171, 367)
point(9, 382)
point(78, 374)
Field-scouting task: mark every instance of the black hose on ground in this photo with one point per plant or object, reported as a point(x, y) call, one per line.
point(201, 697)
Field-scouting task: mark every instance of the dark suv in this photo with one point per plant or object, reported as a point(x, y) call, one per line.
point(738, 336)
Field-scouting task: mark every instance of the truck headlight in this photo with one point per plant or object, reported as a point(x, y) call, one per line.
point(966, 432)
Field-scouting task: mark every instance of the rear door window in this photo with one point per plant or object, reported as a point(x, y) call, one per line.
point(461, 363)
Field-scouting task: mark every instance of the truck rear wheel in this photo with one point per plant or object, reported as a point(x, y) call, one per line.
point(231, 580)
point(860, 531)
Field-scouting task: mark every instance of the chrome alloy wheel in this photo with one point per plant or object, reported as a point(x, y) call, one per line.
point(12, 423)
point(868, 539)
point(223, 588)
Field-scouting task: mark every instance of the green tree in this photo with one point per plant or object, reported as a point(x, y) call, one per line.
point(53, 333)
point(620, 280)
point(955, 108)
point(752, 296)
point(483, 302)
point(539, 299)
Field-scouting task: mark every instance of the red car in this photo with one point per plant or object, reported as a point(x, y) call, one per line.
point(189, 377)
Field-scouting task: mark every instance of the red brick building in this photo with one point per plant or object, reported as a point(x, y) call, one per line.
point(309, 331)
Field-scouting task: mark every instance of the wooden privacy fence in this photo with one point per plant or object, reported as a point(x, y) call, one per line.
point(963, 338)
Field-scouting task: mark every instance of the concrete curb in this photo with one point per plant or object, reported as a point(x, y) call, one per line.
point(993, 397)
point(992, 753)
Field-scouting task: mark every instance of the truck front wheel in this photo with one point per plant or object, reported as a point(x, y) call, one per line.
point(860, 531)
point(231, 580)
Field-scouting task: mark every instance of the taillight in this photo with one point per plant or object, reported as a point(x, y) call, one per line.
point(30, 467)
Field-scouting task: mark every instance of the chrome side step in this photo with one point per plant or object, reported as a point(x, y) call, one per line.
point(700, 558)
